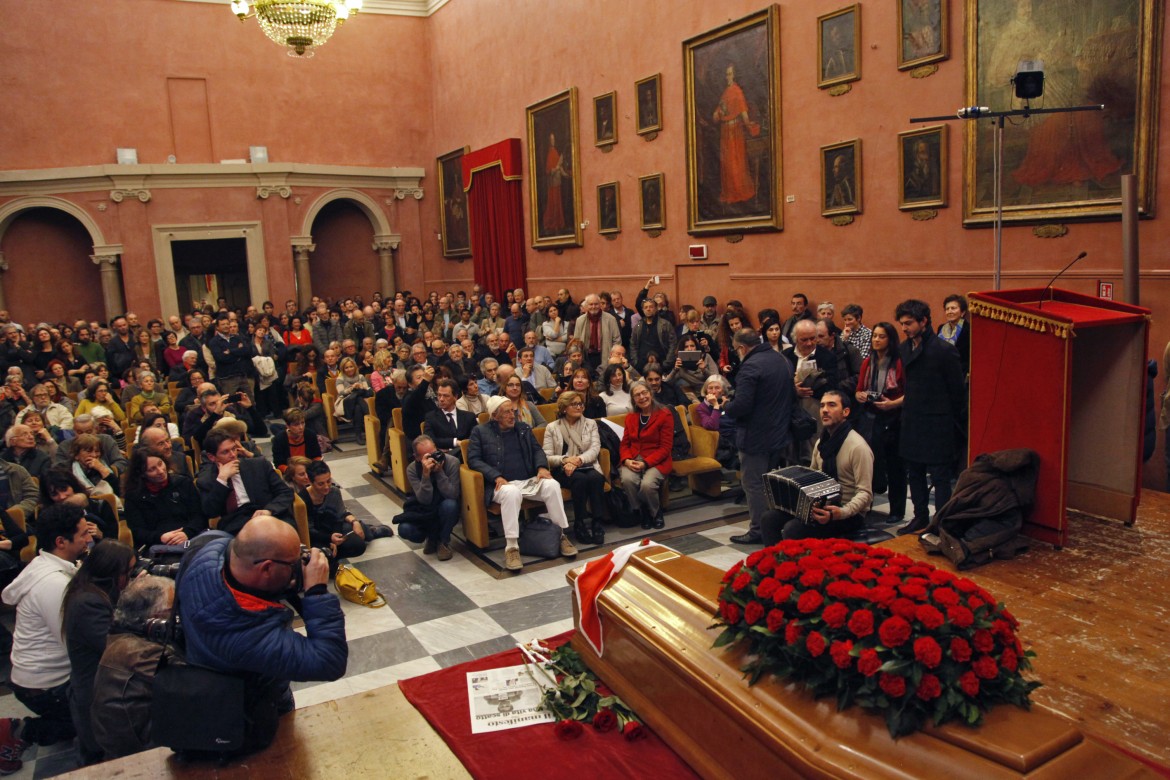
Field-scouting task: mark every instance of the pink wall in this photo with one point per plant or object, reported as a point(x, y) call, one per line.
point(343, 263)
point(54, 279)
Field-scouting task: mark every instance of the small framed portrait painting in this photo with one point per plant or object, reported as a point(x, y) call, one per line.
point(653, 207)
point(609, 208)
point(841, 178)
point(605, 119)
point(839, 46)
point(922, 160)
point(649, 108)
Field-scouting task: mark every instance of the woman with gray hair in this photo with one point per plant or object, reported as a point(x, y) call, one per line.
point(646, 453)
point(572, 445)
point(123, 686)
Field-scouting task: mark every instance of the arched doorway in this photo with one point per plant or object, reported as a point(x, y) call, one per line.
point(343, 264)
point(51, 276)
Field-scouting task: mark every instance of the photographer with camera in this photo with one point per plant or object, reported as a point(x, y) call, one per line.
point(233, 621)
point(214, 406)
point(432, 512)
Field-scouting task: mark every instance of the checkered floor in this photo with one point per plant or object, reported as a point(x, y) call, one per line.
point(438, 613)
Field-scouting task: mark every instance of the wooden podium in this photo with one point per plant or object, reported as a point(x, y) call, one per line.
point(656, 615)
point(1063, 374)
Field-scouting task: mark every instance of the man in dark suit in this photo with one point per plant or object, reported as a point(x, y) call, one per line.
point(933, 411)
point(234, 489)
point(446, 425)
point(815, 372)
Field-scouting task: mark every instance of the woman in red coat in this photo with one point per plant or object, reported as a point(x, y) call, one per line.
point(645, 453)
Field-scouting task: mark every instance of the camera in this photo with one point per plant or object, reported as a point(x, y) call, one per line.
point(235, 398)
point(437, 456)
point(152, 567)
point(162, 630)
point(873, 395)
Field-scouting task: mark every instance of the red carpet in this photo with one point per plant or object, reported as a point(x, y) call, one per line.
point(534, 751)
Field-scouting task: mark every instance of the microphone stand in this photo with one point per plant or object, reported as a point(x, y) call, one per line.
point(997, 170)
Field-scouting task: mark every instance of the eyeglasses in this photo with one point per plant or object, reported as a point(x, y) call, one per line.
point(578, 404)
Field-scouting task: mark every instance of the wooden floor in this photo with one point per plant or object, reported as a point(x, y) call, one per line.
point(1096, 614)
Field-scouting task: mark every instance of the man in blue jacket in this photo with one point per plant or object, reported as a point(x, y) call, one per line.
point(762, 408)
point(229, 594)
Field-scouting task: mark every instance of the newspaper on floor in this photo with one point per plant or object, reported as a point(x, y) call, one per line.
point(504, 698)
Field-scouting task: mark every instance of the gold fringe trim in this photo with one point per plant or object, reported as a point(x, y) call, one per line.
point(1020, 319)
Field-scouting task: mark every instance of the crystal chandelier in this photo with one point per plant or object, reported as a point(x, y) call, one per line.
point(301, 25)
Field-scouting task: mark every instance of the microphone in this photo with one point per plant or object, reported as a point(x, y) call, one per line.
point(1048, 288)
point(973, 112)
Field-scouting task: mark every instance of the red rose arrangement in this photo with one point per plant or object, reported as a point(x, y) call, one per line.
point(875, 628)
point(574, 695)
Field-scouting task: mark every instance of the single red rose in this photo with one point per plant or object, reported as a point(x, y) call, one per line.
point(782, 594)
point(730, 612)
point(883, 594)
point(985, 667)
point(766, 565)
point(633, 731)
point(861, 623)
point(1010, 618)
point(965, 586)
point(893, 685)
point(984, 641)
point(793, 633)
point(1002, 630)
point(960, 650)
point(919, 570)
point(775, 620)
point(605, 720)
point(912, 590)
point(767, 587)
point(754, 559)
point(792, 547)
point(838, 589)
point(868, 663)
point(810, 601)
point(835, 615)
point(889, 580)
point(568, 729)
point(838, 569)
point(942, 577)
point(880, 552)
point(863, 575)
point(974, 602)
point(929, 688)
point(1009, 660)
point(841, 653)
point(894, 631)
point(815, 643)
point(786, 571)
point(929, 616)
point(730, 574)
point(945, 596)
point(960, 616)
point(927, 650)
point(904, 608)
point(969, 684)
point(854, 557)
point(811, 563)
point(741, 582)
point(753, 612)
point(812, 578)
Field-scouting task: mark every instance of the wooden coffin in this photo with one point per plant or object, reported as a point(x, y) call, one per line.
point(658, 657)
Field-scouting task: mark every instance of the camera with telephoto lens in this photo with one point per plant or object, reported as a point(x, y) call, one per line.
point(156, 568)
point(163, 630)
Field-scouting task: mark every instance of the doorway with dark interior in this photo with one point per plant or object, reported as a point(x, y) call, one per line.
point(209, 269)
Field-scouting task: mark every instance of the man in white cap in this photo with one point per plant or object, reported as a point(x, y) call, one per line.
point(505, 451)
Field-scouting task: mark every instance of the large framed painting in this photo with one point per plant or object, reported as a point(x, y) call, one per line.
point(732, 91)
point(609, 208)
point(839, 46)
point(1063, 166)
point(605, 119)
point(652, 200)
point(922, 30)
point(554, 165)
point(841, 178)
point(648, 112)
point(453, 205)
point(922, 160)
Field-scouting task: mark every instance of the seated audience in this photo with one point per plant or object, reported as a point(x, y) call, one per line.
point(532, 372)
point(572, 447)
point(158, 441)
point(98, 394)
point(526, 410)
point(148, 393)
point(296, 475)
point(21, 447)
point(86, 463)
point(689, 375)
point(646, 454)
point(87, 612)
point(446, 424)
point(615, 390)
point(57, 419)
point(432, 512)
point(352, 391)
point(582, 382)
point(472, 399)
point(293, 441)
point(332, 527)
point(505, 451)
point(234, 488)
point(665, 393)
point(60, 485)
point(160, 507)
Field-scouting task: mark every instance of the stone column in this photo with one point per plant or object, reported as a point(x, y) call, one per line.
point(3, 268)
point(111, 285)
point(301, 254)
point(386, 247)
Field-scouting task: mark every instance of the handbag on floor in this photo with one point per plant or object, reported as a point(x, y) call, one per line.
point(354, 586)
point(540, 538)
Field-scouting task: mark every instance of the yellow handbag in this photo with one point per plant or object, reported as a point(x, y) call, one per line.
point(354, 586)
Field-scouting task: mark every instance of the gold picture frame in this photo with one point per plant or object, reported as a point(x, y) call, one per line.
point(453, 219)
point(609, 208)
point(841, 178)
point(839, 46)
point(731, 79)
point(652, 201)
point(605, 131)
point(554, 165)
point(923, 33)
point(1063, 166)
point(922, 166)
point(648, 105)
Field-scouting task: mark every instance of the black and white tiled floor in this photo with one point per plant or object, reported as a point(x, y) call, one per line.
point(438, 613)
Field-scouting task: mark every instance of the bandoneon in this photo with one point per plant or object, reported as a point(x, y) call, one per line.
point(796, 490)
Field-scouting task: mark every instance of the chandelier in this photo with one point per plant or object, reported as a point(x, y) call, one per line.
point(301, 25)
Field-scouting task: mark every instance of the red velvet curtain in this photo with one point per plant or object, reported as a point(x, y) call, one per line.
point(496, 216)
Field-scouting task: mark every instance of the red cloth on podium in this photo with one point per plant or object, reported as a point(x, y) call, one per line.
point(532, 751)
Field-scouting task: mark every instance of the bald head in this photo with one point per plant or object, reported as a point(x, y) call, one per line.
point(258, 550)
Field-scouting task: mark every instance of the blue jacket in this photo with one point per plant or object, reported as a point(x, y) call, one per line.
point(764, 397)
point(222, 634)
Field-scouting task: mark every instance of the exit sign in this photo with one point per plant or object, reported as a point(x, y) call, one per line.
point(1105, 290)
